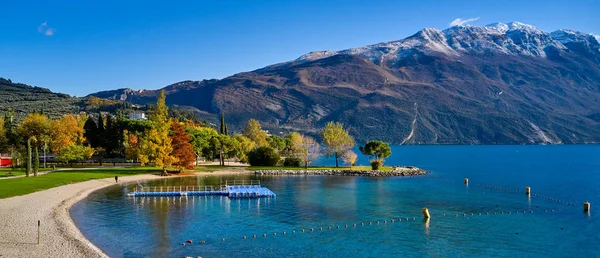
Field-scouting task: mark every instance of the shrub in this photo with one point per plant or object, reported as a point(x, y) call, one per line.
point(263, 156)
point(376, 164)
point(292, 162)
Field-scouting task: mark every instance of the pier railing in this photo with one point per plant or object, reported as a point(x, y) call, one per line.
point(180, 188)
point(242, 182)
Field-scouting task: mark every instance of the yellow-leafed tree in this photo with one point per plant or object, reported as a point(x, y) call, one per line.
point(155, 145)
point(65, 132)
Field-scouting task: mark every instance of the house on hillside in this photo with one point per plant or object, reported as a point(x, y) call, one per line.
point(137, 116)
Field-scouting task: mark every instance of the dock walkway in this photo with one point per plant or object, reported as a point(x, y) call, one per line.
point(235, 189)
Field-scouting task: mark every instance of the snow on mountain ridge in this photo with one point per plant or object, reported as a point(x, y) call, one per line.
point(513, 38)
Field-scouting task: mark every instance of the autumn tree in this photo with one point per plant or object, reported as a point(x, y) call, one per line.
point(308, 149)
point(65, 132)
point(156, 144)
point(132, 145)
point(35, 128)
point(182, 149)
point(244, 146)
point(349, 157)
point(255, 133)
point(200, 139)
point(293, 144)
point(3, 139)
point(337, 140)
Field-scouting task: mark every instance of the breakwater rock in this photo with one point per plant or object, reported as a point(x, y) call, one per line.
point(398, 171)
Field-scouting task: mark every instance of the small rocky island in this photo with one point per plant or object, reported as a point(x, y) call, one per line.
point(397, 171)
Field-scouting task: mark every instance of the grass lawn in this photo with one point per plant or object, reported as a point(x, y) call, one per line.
point(16, 172)
point(26, 185)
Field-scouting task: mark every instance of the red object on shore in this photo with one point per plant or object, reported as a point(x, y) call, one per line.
point(5, 161)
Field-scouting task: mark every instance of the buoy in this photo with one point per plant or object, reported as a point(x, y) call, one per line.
point(274, 233)
point(222, 239)
point(182, 244)
point(293, 231)
point(425, 212)
point(586, 207)
point(244, 237)
point(321, 228)
point(354, 225)
point(528, 190)
point(264, 235)
point(466, 181)
point(202, 242)
point(189, 241)
point(302, 230)
point(370, 223)
point(254, 236)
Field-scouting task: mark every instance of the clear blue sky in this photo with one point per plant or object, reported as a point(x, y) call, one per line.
point(80, 46)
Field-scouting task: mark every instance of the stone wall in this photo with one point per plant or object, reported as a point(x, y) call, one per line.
point(329, 172)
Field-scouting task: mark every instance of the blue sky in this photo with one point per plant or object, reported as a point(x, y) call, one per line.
point(79, 47)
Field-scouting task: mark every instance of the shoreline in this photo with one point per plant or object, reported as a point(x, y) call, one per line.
point(59, 236)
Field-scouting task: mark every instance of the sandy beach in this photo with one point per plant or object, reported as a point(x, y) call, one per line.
point(59, 237)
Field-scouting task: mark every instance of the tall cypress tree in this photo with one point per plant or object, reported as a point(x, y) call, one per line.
point(223, 125)
point(90, 132)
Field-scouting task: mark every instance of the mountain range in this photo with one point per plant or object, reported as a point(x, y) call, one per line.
point(497, 84)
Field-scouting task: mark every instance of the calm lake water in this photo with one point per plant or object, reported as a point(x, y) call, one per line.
point(156, 227)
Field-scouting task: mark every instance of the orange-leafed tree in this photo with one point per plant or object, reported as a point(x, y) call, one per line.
point(183, 151)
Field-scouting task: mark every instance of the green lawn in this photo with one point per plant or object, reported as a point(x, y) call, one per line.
point(16, 172)
point(26, 185)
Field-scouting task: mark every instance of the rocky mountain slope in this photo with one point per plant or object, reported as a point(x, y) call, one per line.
point(496, 84)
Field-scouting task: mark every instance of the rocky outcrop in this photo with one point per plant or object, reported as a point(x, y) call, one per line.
point(404, 171)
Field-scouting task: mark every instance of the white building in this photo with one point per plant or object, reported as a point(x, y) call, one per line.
point(138, 116)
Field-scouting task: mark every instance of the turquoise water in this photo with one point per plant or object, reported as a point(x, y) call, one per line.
point(157, 227)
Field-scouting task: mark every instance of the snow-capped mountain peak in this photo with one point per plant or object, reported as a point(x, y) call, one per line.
point(513, 38)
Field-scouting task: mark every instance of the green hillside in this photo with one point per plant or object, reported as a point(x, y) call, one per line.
point(24, 99)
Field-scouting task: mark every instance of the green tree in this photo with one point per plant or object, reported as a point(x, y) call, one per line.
point(221, 146)
point(200, 139)
point(36, 129)
point(223, 129)
point(91, 132)
point(74, 153)
point(277, 143)
point(376, 149)
point(337, 140)
point(3, 140)
point(156, 144)
point(255, 133)
point(264, 156)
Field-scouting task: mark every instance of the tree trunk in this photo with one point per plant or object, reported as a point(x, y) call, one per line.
point(28, 159)
point(36, 163)
point(336, 160)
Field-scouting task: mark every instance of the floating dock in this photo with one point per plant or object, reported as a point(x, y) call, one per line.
point(234, 190)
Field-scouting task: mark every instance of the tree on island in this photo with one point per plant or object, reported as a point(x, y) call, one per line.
point(349, 157)
point(337, 140)
point(308, 150)
point(378, 150)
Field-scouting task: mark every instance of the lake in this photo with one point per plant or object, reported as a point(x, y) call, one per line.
point(541, 225)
